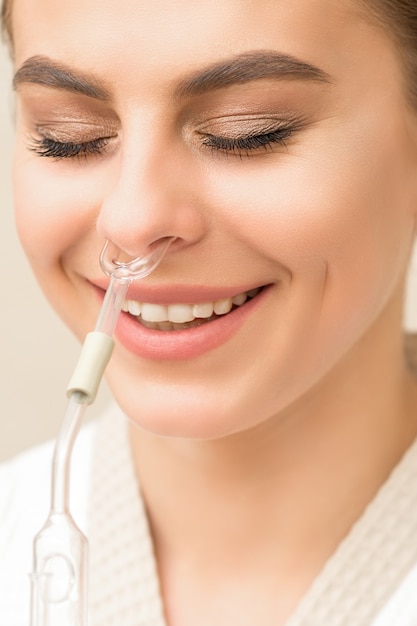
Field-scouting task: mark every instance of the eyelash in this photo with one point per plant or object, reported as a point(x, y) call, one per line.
point(240, 146)
point(50, 148)
point(243, 146)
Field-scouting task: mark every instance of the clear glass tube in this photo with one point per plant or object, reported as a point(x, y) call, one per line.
point(60, 549)
point(122, 273)
point(59, 581)
point(113, 300)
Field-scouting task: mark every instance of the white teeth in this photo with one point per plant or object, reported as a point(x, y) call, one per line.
point(221, 307)
point(134, 308)
point(154, 312)
point(180, 313)
point(203, 310)
point(239, 299)
point(184, 313)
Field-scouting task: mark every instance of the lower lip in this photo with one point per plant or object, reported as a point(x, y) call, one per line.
point(188, 343)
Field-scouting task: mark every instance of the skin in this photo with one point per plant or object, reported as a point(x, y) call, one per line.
point(257, 435)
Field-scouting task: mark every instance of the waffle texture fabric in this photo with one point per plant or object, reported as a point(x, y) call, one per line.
point(371, 580)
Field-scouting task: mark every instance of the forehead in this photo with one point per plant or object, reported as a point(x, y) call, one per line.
point(148, 42)
point(178, 27)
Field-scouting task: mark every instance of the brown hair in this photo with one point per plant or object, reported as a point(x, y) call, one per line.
point(6, 18)
point(399, 18)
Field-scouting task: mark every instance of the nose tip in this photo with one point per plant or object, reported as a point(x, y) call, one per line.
point(128, 235)
point(147, 200)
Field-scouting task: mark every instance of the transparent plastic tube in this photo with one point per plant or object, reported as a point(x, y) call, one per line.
point(60, 550)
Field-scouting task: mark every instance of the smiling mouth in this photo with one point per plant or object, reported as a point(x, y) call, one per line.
point(183, 316)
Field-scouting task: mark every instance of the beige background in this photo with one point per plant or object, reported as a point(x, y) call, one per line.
point(37, 352)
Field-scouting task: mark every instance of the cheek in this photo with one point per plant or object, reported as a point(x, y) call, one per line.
point(54, 208)
point(345, 216)
point(55, 217)
point(341, 222)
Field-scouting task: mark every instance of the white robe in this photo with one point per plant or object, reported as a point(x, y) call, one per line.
point(371, 580)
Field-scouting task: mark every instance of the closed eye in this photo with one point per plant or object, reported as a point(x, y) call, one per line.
point(245, 144)
point(50, 148)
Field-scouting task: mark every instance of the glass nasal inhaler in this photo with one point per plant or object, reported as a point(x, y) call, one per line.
point(60, 550)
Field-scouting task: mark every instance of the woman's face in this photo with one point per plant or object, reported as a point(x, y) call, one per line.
point(272, 139)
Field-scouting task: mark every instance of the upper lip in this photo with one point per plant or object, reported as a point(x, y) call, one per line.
point(177, 293)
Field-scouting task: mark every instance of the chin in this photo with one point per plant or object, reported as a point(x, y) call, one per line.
point(180, 412)
point(180, 422)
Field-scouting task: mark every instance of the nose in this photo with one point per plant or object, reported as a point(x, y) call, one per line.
point(150, 197)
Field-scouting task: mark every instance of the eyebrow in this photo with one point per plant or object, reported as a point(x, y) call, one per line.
point(41, 70)
point(243, 68)
point(248, 67)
